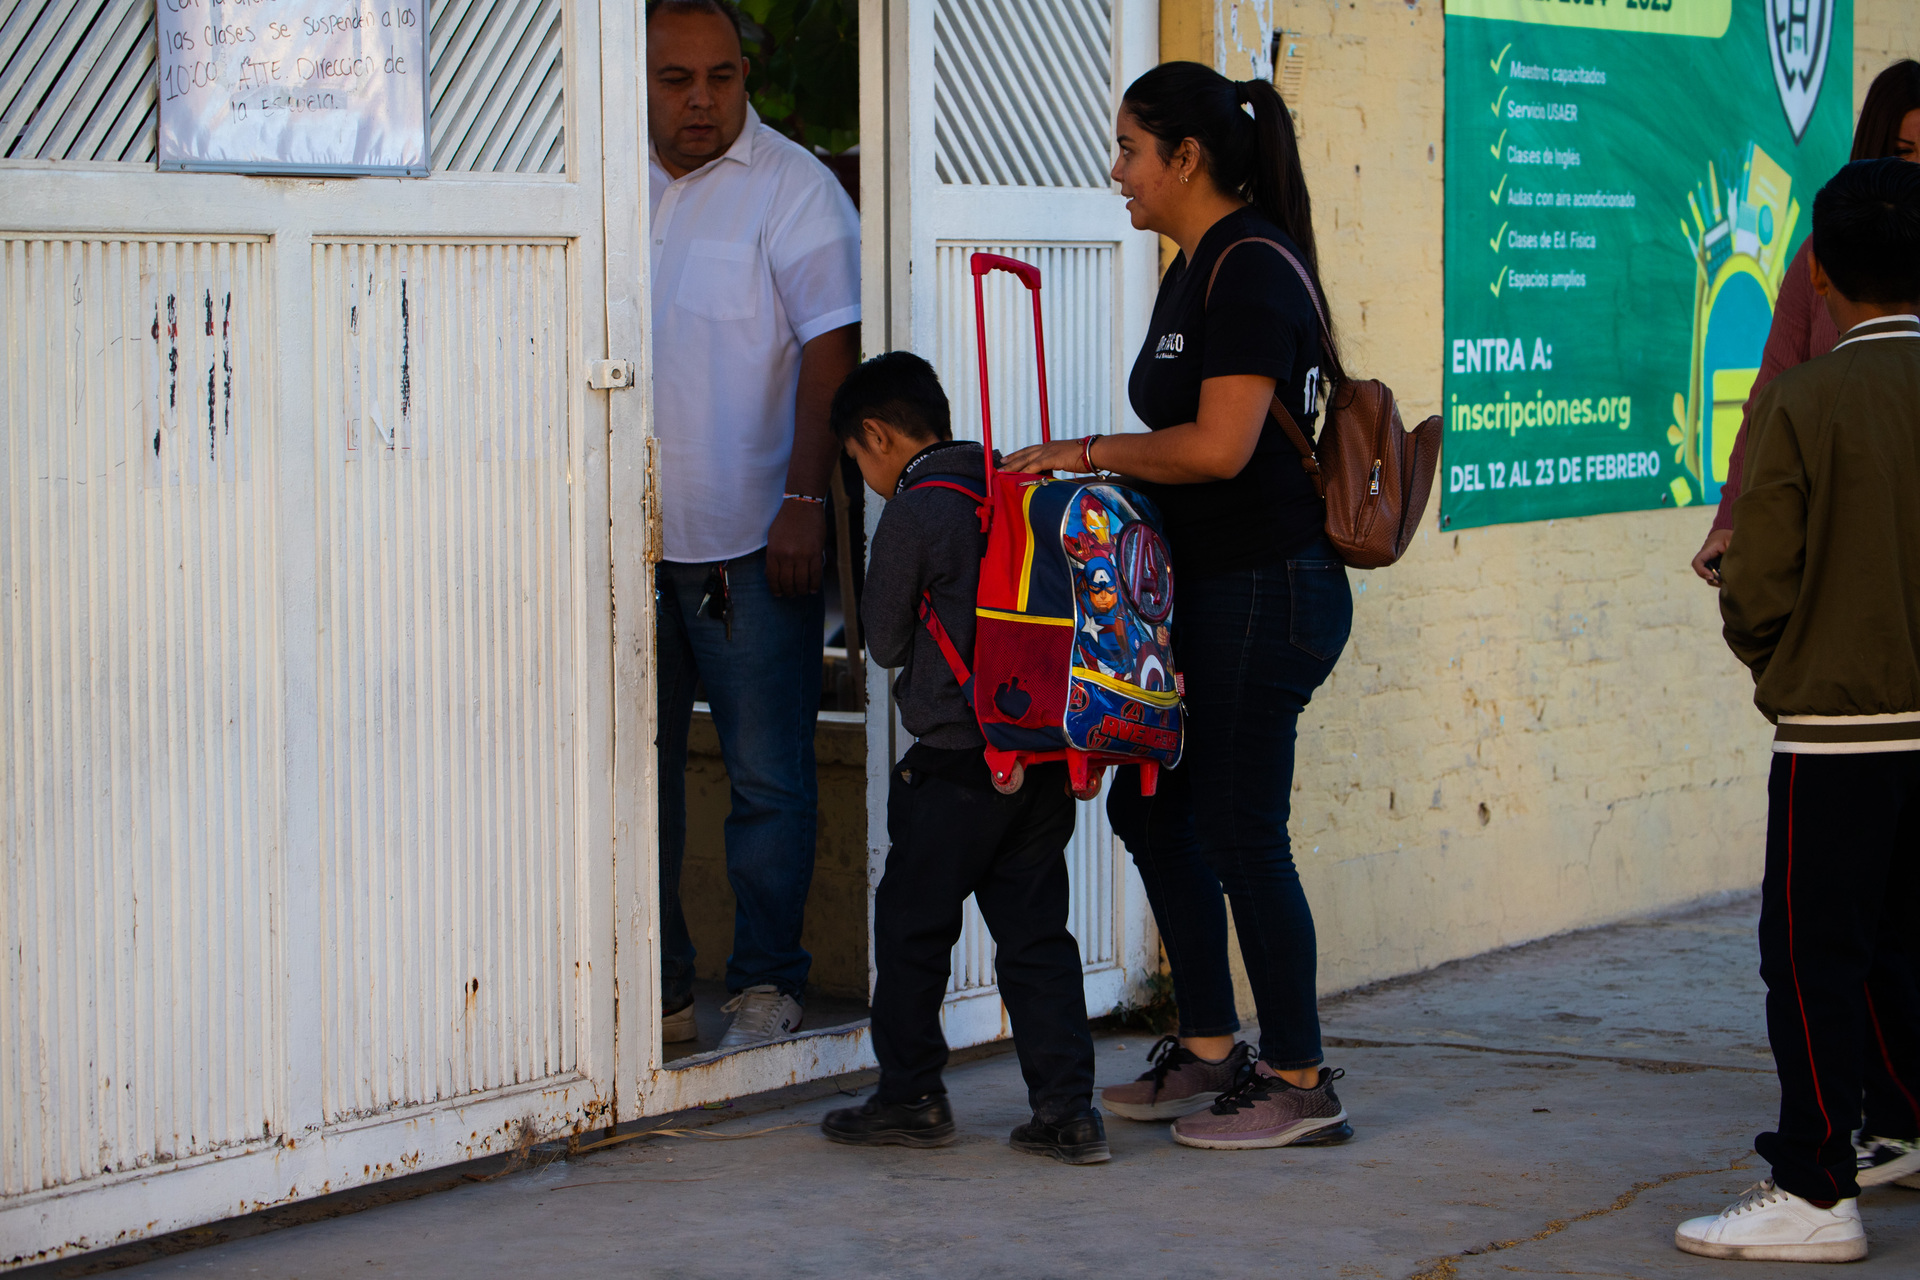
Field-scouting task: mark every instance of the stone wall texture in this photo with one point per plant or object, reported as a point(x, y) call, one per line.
point(1536, 727)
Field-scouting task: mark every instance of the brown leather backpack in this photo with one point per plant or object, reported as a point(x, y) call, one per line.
point(1374, 474)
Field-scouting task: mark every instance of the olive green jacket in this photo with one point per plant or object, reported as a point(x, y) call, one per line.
point(1821, 585)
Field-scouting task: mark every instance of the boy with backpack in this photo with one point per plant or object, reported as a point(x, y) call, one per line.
point(952, 832)
point(1821, 598)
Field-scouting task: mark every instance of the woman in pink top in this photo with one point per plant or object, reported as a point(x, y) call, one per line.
point(1889, 126)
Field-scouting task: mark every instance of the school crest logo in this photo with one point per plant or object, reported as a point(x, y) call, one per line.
point(1799, 33)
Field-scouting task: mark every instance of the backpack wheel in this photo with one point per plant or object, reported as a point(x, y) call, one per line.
point(1015, 779)
point(1083, 776)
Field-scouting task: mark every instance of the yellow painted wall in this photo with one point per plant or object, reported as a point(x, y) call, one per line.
point(1536, 727)
point(1883, 30)
point(1228, 35)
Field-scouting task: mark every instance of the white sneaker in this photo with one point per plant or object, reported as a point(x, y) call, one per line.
point(1884, 1160)
point(1768, 1224)
point(760, 1014)
point(678, 1027)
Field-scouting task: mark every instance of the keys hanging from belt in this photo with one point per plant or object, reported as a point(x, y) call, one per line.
point(717, 602)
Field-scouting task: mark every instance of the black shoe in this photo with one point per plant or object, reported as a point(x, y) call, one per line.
point(876, 1123)
point(1081, 1138)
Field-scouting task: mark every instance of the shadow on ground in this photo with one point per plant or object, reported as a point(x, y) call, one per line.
point(1550, 1110)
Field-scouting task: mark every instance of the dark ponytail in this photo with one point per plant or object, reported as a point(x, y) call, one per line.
point(1257, 158)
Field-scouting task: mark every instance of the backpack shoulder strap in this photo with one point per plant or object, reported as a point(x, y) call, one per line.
point(948, 650)
point(936, 482)
point(929, 618)
point(1309, 461)
point(1319, 310)
point(973, 488)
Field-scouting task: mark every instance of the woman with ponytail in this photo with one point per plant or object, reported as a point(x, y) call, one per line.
point(1263, 608)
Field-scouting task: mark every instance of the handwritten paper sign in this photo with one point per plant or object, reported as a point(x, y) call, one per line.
point(294, 86)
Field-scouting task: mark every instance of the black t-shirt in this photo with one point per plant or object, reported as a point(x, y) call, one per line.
point(1260, 320)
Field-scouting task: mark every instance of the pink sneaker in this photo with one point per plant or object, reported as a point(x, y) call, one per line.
point(1265, 1111)
point(1178, 1083)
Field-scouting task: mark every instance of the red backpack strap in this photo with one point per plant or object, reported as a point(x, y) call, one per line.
point(980, 504)
point(948, 649)
point(945, 484)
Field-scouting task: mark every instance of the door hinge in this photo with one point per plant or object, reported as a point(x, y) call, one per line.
point(610, 375)
point(656, 533)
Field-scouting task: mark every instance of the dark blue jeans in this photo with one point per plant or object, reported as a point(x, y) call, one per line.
point(1253, 645)
point(763, 685)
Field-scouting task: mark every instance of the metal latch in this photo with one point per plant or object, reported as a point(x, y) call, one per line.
point(610, 375)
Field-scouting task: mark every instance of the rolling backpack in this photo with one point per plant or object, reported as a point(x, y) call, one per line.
point(1072, 658)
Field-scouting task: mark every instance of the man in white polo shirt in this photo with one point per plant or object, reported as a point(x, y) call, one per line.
point(756, 311)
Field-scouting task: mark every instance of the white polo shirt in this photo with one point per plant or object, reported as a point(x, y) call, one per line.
point(754, 255)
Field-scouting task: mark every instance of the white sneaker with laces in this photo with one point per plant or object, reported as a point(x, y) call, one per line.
point(1771, 1225)
point(760, 1014)
point(1884, 1160)
point(679, 1026)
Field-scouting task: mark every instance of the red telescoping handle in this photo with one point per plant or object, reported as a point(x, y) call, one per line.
point(1029, 275)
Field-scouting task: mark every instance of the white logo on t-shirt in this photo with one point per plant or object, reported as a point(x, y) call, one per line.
point(1308, 401)
point(1171, 345)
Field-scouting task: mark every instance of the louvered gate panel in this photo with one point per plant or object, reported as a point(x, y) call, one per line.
point(1023, 92)
point(1076, 303)
point(77, 82)
point(447, 671)
point(497, 86)
point(141, 885)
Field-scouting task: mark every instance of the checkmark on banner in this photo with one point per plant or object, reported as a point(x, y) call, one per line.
point(1494, 194)
point(1495, 108)
point(1498, 281)
point(1495, 148)
point(1495, 242)
point(1498, 59)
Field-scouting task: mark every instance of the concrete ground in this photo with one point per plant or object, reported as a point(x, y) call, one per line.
point(1550, 1110)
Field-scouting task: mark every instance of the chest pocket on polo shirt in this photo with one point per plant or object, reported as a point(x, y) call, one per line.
point(721, 280)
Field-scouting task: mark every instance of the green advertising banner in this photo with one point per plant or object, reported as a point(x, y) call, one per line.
point(1627, 181)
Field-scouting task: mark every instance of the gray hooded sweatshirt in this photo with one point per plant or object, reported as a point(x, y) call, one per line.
point(928, 540)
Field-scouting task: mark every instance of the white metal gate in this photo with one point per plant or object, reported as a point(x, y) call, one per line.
point(999, 123)
point(307, 780)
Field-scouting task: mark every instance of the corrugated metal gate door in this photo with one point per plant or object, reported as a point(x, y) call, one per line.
point(999, 123)
point(305, 630)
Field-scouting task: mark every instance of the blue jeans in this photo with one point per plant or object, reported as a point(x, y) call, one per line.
point(1253, 645)
point(763, 685)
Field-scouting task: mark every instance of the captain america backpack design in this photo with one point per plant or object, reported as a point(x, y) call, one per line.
point(1072, 653)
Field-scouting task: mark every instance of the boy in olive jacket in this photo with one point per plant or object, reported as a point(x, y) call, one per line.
point(1821, 599)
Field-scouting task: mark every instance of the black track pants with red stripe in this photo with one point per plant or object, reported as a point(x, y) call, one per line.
point(1839, 953)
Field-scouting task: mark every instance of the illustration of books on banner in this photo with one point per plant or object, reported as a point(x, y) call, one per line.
point(1738, 236)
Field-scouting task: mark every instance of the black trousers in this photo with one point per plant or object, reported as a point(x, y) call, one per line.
point(952, 835)
point(1840, 954)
